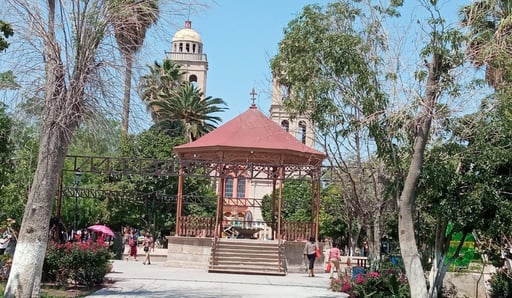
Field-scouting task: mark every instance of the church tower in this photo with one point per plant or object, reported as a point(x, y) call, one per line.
point(300, 127)
point(187, 51)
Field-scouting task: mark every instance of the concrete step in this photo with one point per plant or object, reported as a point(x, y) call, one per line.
point(246, 257)
point(272, 263)
point(246, 270)
point(225, 251)
point(238, 258)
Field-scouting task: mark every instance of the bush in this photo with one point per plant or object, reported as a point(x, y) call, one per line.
point(387, 283)
point(501, 284)
point(81, 263)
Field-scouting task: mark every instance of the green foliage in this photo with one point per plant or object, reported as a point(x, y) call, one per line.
point(6, 146)
point(6, 32)
point(161, 79)
point(17, 163)
point(82, 263)
point(296, 204)
point(148, 201)
point(325, 62)
point(187, 105)
point(8, 81)
point(333, 219)
point(501, 284)
point(386, 283)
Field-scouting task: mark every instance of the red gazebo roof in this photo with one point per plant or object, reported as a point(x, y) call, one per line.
point(250, 137)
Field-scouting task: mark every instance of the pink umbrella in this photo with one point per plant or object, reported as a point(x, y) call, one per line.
point(102, 229)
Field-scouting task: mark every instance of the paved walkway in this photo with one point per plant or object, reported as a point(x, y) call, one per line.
point(133, 279)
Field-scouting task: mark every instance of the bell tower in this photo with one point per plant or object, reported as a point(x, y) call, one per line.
point(187, 51)
point(300, 127)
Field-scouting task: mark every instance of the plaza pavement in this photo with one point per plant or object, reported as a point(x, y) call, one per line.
point(133, 279)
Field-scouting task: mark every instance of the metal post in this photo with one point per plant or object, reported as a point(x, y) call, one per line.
point(58, 215)
point(76, 183)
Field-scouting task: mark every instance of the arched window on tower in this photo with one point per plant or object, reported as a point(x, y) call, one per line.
point(175, 47)
point(285, 93)
point(228, 188)
point(187, 47)
point(240, 188)
point(285, 125)
point(181, 47)
point(193, 48)
point(301, 134)
point(193, 80)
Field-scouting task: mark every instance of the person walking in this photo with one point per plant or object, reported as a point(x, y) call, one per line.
point(148, 244)
point(132, 244)
point(334, 260)
point(310, 252)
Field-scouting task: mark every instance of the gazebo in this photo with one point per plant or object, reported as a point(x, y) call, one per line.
point(255, 147)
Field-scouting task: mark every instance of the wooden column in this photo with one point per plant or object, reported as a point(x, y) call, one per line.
point(315, 197)
point(179, 201)
point(280, 203)
point(219, 214)
point(274, 182)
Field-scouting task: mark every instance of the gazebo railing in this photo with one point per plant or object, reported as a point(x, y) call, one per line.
point(295, 231)
point(193, 226)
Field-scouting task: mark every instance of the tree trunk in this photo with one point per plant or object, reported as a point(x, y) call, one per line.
point(126, 98)
point(25, 275)
point(408, 245)
point(63, 110)
point(374, 243)
point(440, 264)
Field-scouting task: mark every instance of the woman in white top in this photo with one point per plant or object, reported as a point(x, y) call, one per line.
point(310, 252)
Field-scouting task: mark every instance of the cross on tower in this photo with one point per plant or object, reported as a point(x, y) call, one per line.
point(253, 97)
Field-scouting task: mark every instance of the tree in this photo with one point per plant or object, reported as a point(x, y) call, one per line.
point(65, 88)
point(441, 54)
point(162, 78)
point(329, 60)
point(131, 19)
point(490, 40)
point(335, 70)
point(186, 105)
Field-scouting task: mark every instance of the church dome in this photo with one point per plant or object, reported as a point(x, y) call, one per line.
point(187, 34)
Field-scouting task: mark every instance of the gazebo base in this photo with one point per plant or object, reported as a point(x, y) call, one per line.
point(195, 252)
point(189, 252)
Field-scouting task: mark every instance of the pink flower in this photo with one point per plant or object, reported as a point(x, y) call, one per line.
point(360, 279)
point(346, 287)
point(374, 274)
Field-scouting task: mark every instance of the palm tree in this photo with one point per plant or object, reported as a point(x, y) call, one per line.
point(490, 30)
point(161, 79)
point(187, 106)
point(131, 19)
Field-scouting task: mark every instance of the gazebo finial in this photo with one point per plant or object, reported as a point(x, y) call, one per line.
point(253, 98)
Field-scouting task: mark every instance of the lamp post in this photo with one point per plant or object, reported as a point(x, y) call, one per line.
point(76, 183)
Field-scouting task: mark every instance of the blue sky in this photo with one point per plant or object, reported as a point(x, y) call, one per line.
point(239, 38)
